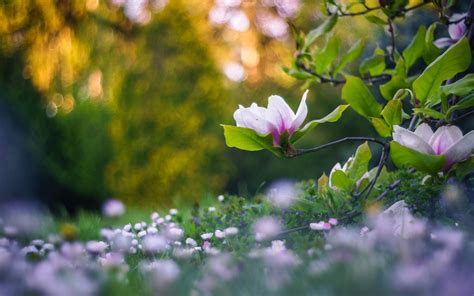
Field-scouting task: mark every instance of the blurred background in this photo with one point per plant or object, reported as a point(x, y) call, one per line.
point(123, 98)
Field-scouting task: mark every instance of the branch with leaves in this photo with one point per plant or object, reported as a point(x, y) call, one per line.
point(418, 100)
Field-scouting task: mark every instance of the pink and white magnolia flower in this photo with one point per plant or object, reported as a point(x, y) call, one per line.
point(446, 140)
point(277, 118)
point(456, 31)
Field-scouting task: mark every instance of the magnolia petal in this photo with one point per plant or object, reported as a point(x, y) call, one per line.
point(443, 42)
point(301, 114)
point(424, 131)
point(460, 150)
point(238, 116)
point(444, 137)
point(279, 113)
point(252, 120)
point(411, 140)
point(456, 31)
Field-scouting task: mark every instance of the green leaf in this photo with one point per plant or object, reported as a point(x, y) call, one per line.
point(247, 139)
point(301, 75)
point(323, 183)
point(464, 168)
point(415, 49)
point(461, 87)
point(454, 60)
point(356, 93)
point(340, 180)
point(324, 28)
point(374, 65)
point(392, 113)
point(397, 82)
point(331, 117)
point(353, 54)
point(360, 163)
point(381, 127)
point(430, 112)
point(466, 102)
point(403, 156)
point(430, 52)
point(325, 57)
point(376, 20)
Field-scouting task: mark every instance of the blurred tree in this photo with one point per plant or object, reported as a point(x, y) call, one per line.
point(165, 128)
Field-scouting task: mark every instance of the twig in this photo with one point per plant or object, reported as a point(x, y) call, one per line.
point(367, 10)
point(383, 157)
point(323, 79)
point(411, 126)
point(346, 139)
point(382, 161)
point(293, 230)
point(462, 116)
point(391, 30)
point(392, 186)
point(416, 6)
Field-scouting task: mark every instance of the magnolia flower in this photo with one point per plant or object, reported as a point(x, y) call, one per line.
point(456, 31)
point(277, 118)
point(447, 140)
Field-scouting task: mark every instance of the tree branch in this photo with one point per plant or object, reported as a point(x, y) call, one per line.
point(324, 79)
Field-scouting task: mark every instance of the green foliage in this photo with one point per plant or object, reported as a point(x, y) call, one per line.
point(403, 156)
point(351, 55)
point(334, 116)
point(359, 97)
point(392, 112)
point(456, 59)
point(324, 28)
point(165, 126)
point(397, 82)
point(375, 64)
point(325, 57)
point(430, 52)
point(360, 164)
point(247, 139)
point(415, 49)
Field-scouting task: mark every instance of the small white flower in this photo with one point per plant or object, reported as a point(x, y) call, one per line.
point(321, 225)
point(160, 221)
point(266, 228)
point(168, 217)
point(220, 234)
point(333, 221)
point(173, 212)
point(191, 242)
point(176, 233)
point(37, 242)
point(154, 243)
point(127, 227)
point(48, 247)
point(152, 230)
point(141, 233)
point(206, 236)
point(113, 208)
point(96, 246)
point(212, 209)
point(231, 231)
point(155, 216)
point(138, 226)
point(134, 242)
point(132, 250)
point(220, 198)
